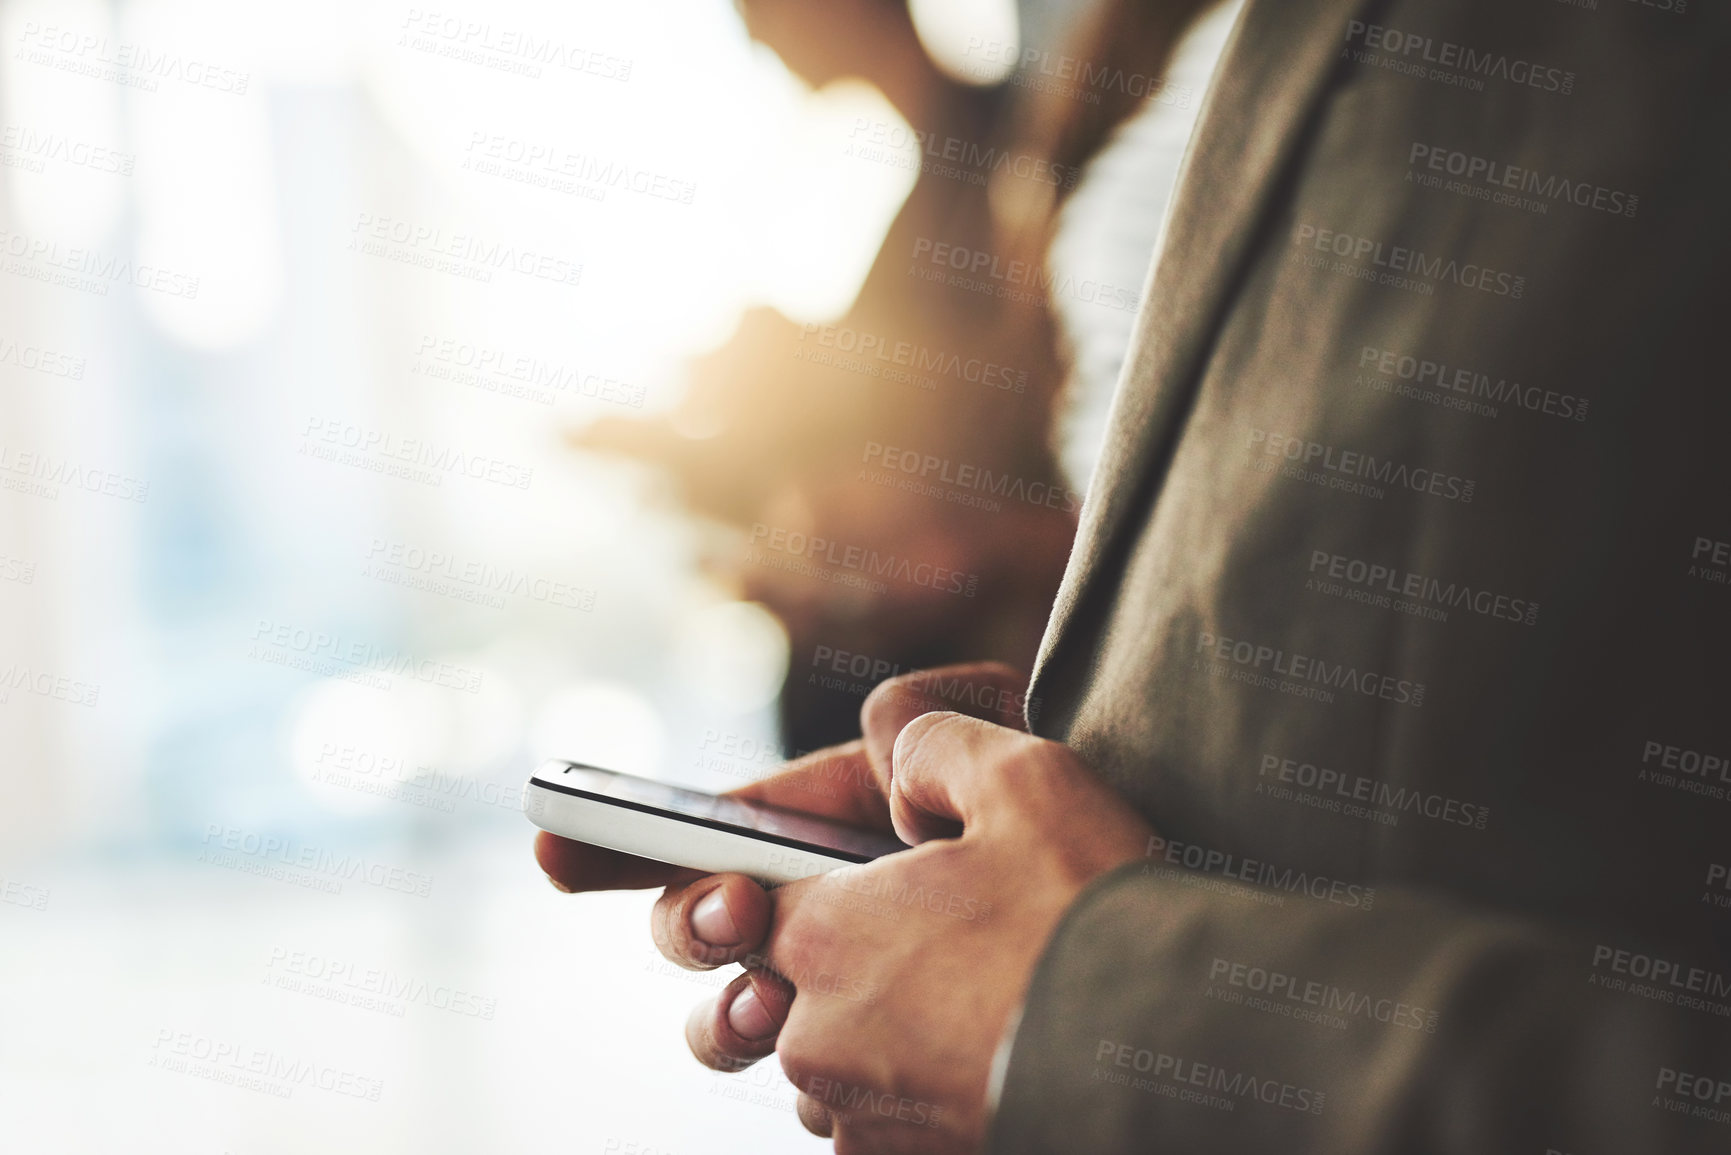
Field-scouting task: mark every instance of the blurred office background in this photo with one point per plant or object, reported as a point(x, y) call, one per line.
point(303, 310)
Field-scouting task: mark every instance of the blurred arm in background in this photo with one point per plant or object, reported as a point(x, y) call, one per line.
point(918, 427)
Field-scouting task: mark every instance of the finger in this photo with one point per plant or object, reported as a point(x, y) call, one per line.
point(715, 920)
point(989, 690)
point(814, 1116)
point(948, 770)
point(575, 866)
point(836, 783)
point(739, 1026)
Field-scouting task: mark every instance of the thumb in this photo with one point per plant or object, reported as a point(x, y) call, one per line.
point(949, 774)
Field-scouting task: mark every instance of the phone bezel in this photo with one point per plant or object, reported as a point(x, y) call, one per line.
point(850, 856)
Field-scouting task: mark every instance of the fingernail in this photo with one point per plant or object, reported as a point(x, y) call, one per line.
point(748, 1017)
point(560, 886)
point(711, 922)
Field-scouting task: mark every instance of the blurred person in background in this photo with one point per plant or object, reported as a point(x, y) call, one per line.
point(798, 428)
point(914, 428)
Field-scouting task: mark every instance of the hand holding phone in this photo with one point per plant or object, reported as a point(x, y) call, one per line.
point(848, 783)
point(713, 833)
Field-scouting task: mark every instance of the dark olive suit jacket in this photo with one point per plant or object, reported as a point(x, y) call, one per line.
point(1400, 608)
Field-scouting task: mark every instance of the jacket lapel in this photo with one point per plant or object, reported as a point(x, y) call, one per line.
point(1274, 68)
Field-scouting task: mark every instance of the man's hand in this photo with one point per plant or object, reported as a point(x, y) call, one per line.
point(905, 971)
point(887, 987)
point(850, 783)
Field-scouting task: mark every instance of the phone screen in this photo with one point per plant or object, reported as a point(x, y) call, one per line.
point(756, 819)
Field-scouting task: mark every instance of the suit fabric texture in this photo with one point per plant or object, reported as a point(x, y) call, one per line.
point(1399, 608)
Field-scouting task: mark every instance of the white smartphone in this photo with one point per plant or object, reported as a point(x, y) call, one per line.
point(709, 832)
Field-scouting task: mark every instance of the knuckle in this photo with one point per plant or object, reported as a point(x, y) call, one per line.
point(814, 1117)
point(897, 692)
point(1038, 775)
point(1034, 758)
point(798, 1053)
point(917, 736)
point(848, 1142)
point(804, 935)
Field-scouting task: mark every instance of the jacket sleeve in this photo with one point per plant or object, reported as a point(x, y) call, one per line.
point(1188, 1014)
